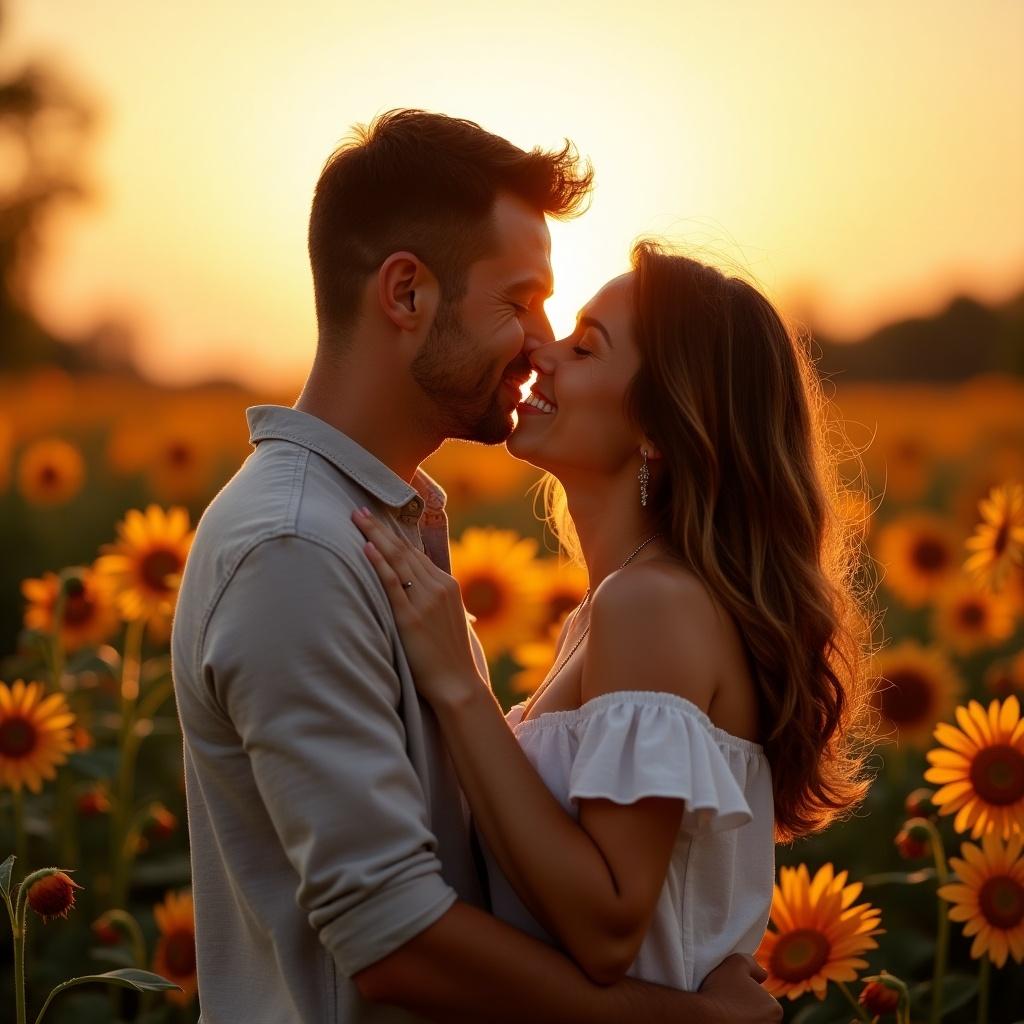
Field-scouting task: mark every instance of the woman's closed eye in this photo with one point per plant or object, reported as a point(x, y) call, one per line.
point(581, 351)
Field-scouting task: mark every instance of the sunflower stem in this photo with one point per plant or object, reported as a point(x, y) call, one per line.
point(19, 990)
point(20, 835)
point(19, 968)
point(858, 1009)
point(133, 931)
point(984, 973)
point(942, 938)
point(131, 665)
point(20, 922)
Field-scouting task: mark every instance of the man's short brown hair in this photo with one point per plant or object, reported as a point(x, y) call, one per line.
point(425, 183)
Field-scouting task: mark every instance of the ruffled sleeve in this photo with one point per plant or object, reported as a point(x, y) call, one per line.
point(636, 744)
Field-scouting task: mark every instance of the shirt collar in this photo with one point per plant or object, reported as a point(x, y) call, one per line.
point(284, 423)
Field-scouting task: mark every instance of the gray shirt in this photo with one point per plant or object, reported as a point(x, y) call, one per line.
point(326, 823)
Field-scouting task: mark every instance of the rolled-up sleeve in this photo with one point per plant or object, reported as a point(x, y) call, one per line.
point(298, 655)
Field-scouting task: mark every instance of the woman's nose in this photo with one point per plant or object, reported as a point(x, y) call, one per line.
point(545, 357)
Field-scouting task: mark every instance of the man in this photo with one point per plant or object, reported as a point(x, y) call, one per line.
point(333, 869)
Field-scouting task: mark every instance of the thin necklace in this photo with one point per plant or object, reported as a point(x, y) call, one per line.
point(583, 635)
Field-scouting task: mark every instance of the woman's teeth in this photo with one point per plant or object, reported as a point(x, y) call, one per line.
point(539, 403)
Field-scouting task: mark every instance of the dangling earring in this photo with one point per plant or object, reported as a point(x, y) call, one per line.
point(644, 475)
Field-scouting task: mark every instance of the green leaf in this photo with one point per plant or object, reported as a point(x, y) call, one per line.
point(5, 874)
point(957, 991)
point(129, 977)
point(126, 977)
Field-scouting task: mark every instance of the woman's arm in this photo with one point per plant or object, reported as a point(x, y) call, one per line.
point(594, 891)
point(593, 884)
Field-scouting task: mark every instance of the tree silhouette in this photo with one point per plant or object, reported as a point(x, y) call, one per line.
point(45, 125)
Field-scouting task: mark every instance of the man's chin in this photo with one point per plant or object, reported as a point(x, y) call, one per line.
point(494, 428)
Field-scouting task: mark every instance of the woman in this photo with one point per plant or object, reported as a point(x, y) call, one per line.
point(705, 694)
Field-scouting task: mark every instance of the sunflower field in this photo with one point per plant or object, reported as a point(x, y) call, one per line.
point(910, 910)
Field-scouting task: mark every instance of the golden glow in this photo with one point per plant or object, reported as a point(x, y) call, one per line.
point(810, 143)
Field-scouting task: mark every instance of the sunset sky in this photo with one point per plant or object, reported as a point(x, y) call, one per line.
point(862, 160)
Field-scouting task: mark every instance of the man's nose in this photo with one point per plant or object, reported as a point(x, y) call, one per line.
point(544, 357)
point(538, 333)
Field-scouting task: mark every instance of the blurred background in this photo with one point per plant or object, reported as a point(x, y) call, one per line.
point(862, 163)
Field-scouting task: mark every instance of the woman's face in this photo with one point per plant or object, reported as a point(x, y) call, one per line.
point(581, 386)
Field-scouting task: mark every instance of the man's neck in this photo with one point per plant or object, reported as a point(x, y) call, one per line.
point(374, 413)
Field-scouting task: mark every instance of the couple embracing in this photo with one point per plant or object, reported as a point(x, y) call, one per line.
point(372, 840)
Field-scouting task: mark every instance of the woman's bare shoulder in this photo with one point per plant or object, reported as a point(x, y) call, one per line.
point(656, 626)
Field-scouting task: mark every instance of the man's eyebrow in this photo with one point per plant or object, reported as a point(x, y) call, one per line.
point(532, 284)
point(589, 321)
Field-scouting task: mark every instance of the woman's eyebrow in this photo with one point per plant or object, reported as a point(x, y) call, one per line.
point(589, 321)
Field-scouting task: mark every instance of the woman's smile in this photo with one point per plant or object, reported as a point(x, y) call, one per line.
point(536, 404)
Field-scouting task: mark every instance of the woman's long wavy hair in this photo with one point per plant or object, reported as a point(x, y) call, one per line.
point(749, 495)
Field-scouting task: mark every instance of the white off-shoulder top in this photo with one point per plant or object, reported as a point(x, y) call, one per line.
point(631, 744)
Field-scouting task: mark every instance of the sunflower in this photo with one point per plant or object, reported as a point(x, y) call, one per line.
point(500, 581)
point(145, 564)
point(915, 686)
point(89, 617)
point(175, 955)
point(179, 460)
point(998, 541)
point(989, 897)
point(35, 735)
point(982, 771)
point(820, 933)
point(562, 588)
point(968, 619)
point(535, 659)
point(472, 473)
point(989, 468)
point(919, 554)
point(50, 472)
point(902, 461)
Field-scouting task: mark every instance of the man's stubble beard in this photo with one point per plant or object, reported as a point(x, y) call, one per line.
point(466, 405)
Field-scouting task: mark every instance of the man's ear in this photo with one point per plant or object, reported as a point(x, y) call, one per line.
point(407, 292)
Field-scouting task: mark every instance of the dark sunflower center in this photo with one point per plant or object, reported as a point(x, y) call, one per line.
point(484, 597)
point(17, 737)
point(157, 566)
point(1002, 538)
point(180, 953)
point(559, 603)
point(78, 609)
point(997, 774)
point(907, 699)
point(799, 955)
point(48, 475)
point(972, 614)
point(929, 554)
point(179, 455)
point(1001, 900)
